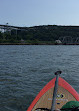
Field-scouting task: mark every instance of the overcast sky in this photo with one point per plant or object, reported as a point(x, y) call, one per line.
point(39, 12)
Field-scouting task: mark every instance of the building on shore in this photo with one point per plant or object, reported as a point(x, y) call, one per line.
point(58, 42)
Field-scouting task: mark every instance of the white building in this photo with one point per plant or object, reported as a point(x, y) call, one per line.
point(58, 42)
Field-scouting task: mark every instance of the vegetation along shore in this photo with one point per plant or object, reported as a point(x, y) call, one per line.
point(39, 35)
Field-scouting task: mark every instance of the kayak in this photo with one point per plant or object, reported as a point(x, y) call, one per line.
point(45, 98)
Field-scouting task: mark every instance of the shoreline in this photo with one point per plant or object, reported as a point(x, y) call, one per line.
point(35, 44)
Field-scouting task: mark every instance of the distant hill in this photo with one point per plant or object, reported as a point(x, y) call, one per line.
point(44, 34)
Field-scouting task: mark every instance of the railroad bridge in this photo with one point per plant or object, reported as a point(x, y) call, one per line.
point(69, 40)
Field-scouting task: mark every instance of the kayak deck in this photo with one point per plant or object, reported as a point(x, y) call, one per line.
point(65, 93)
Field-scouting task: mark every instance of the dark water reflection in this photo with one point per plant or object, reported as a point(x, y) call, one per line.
point(24, 70)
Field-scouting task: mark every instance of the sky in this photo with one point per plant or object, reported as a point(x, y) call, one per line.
point(39, 12)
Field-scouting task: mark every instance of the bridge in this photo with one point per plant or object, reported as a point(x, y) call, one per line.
point(69, 40)
point(9, 27)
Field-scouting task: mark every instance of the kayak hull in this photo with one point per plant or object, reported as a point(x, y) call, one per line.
point(65, 93)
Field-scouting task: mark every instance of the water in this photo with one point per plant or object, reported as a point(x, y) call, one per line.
point(26, 69)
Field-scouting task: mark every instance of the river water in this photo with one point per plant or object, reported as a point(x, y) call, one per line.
point(26, 69)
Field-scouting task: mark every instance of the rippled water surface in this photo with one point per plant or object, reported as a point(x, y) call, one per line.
point(26, 69)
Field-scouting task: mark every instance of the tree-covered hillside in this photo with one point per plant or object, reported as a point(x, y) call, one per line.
point(45, 34)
